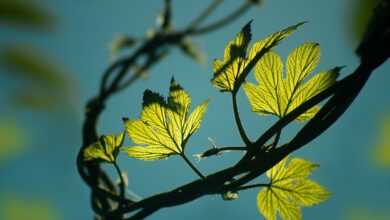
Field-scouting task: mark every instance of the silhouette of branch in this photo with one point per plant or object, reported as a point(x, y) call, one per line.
point(374, 50)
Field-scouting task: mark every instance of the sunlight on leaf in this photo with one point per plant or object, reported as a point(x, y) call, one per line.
point(289, 190)
point(16, 208)
point(105, 149)
point(381, 153)
point(228, 71)
point(164, 127)
point(277, 95)
point(25, 13)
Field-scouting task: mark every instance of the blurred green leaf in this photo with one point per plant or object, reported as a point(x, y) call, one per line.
point(190, 49)
point(44, 81)
point(381, 153)
point(26, 13)
point(33, 64)
point(17, 208)
point(364, 214)
point(12, 138)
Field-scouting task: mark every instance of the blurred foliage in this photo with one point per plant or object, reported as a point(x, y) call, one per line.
point(25, 14)
point(13, 139)
point(361, 14)
point(44, 82)
point(17, 208)
point(381, 153)
point(361, 214)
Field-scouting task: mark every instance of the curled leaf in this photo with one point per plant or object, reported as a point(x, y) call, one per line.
point(105, 149)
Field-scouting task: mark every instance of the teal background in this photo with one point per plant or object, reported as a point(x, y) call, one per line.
point(85, 27)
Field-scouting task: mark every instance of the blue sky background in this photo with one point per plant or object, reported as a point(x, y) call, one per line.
point(46, 168)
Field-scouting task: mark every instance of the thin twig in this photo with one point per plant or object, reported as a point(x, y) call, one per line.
point(224, 21)
point(206, 13)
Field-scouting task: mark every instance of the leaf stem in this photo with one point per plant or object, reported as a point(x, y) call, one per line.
point(253, 186)
point(241, 130)
point(192, 166)
point(121, 184)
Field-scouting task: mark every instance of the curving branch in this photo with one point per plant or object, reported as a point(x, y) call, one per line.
point(374, 51)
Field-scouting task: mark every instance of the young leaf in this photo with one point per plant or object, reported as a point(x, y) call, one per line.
point(228, 73)
point(105, 149)
point(289, 189)
point(279, 96)
point(164, 127)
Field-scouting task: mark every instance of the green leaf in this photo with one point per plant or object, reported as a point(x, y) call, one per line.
point(105, 149)
point(165, 126)
point(289, 189)
point(277, 95)
point(230, 73)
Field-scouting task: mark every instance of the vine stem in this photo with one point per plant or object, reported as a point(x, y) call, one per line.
point(121, 184)
point(226, 20)
point(192, 166)
point(241, 130)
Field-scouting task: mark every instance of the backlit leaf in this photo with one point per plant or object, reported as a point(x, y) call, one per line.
point(105, 149)
point(165, 126)
point(278, 95)
point(228, 72)
point(289, 190)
